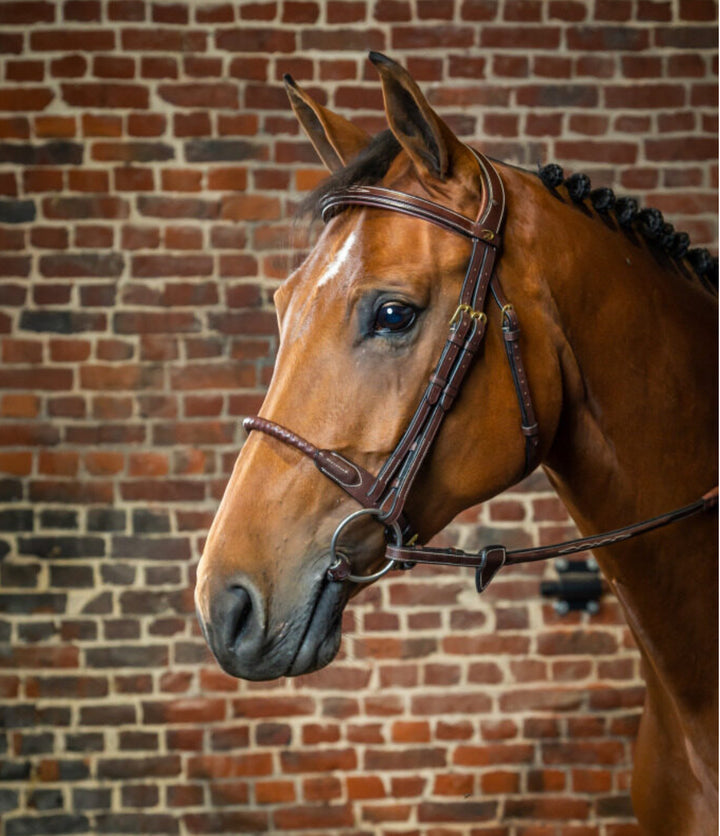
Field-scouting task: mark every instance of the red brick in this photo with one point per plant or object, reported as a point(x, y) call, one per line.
point(82, 10)
point(230, 766)
point(214, 95)
point(40, 656)
point(21, 351)
point(158, 67)
point(190, 710)
point(191, 124)
point(170, 13)
point(105, 95)
point(242, 124)
point(148, 464)
point(101, 463)
point(15, 12)
point(113, 66)
point(16, 463)
point(88, 180)
point(548, 809)
point(25, 98)
point(227, 179)
point(154, 323)
point(68, 66)
point(327, 818)
point(182, 238)
point(410, 732)
point(20, 406)
point(274, 792)
point(500, 782)
point(101, 125)
point(69, 351)
point(163, 39)
point(146, 124)
point(13, 127)
point(67, 40)
point(55, 126)
point(173, 180)
point(216, 13)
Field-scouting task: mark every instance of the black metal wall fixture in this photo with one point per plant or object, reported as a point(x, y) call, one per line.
point(578, 587)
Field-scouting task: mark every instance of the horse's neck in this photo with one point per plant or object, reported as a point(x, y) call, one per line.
point(638, 436)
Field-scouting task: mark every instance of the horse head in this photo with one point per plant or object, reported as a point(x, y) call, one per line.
point(362, 323)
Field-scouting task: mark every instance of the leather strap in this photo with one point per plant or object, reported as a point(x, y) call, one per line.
point(351, 477)
point(407, 204)
point(490, 559)
point(511, 336)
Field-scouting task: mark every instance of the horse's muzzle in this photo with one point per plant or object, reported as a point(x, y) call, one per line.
point(249, 644)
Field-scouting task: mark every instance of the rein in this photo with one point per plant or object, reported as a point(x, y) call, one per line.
point(384, 496)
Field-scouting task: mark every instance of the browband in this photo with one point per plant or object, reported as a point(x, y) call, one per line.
point(416, 207)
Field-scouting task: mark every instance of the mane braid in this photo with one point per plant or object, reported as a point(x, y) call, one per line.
point(648, 222)
point(366, 169)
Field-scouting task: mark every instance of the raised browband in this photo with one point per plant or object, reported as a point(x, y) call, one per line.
point(406, 204)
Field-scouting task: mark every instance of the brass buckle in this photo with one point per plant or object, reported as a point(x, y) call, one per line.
point(464, 308)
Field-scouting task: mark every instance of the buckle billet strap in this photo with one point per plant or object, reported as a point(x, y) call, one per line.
point(511, 336)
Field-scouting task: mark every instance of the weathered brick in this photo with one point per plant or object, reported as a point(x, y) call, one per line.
point(105, 95)
point(16, 211)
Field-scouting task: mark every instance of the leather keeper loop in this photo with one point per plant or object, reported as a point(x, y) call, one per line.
point(448, 398)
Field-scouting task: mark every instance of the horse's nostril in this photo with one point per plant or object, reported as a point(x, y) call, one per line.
point(234, 614)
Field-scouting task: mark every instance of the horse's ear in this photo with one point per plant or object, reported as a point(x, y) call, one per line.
point(421, 132)
point(335, 139)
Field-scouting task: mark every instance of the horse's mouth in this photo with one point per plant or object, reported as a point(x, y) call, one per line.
point(321, 638)
point(249, 645)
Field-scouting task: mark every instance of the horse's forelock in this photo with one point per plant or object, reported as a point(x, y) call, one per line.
point(366, 169)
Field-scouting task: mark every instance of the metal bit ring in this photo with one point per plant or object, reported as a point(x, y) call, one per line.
point(339, 569)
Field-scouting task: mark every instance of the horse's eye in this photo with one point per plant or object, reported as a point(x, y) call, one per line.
point(394, 317)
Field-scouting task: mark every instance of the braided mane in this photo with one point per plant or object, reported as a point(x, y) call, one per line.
point(372, 163)
point(649, 222)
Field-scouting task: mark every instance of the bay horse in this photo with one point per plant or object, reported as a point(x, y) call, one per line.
point(611, 387)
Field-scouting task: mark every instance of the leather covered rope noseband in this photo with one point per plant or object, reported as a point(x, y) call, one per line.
point(384, 496)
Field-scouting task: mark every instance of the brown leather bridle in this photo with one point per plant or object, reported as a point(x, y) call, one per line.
point(384, 496)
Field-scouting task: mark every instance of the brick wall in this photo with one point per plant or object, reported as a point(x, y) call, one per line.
point(149, 165)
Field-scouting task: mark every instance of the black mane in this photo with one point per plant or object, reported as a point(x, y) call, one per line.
point(372, 164)
point(649, 222)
